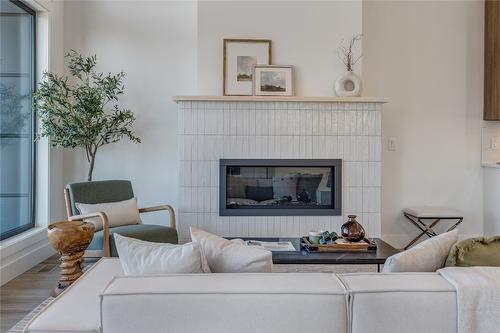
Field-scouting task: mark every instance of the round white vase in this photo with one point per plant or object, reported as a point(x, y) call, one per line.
point(348, 85)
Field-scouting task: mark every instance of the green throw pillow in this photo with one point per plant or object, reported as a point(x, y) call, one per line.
point(478, 251)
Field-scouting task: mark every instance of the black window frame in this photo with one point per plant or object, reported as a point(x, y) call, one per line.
point(20, 229)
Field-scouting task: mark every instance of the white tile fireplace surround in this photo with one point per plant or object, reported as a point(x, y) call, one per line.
point(211, 128)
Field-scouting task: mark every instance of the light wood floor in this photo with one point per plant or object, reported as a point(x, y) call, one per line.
point(24, 293)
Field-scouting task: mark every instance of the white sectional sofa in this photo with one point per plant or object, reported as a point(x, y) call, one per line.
point(105, 301)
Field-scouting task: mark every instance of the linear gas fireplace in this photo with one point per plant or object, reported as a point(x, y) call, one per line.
point(280, 187)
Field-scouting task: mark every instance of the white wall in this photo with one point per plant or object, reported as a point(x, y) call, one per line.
point(491, 183)
point(155, 44)
point(491, 207)
point(304, 34)
point(427, 59)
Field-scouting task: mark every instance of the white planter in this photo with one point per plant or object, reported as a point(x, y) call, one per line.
point(348, 85)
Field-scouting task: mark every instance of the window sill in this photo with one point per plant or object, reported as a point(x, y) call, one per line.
point(21, 241)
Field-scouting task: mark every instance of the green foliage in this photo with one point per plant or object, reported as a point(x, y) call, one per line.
point(83, 113)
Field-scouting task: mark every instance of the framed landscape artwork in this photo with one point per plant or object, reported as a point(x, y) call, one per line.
point(273, 80)
point(240, 57)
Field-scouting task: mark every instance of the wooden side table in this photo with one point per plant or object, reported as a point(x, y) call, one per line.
point(70, 239)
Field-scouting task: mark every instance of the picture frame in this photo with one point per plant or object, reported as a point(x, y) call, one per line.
point(239, 57)
point(273, 80)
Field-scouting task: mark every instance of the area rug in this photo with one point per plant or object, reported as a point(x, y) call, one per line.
point(19, 327)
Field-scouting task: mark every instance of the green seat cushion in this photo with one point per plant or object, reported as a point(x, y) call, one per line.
point(146, 232)
point(478, 251)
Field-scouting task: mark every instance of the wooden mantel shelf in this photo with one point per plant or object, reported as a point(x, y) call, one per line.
point(279, 99)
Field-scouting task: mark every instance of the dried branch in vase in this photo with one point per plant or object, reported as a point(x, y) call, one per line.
point(346, 52)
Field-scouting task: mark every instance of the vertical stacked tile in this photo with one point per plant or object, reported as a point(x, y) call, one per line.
point(211, 130)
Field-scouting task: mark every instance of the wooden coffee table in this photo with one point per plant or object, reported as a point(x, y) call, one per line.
point(301, 260)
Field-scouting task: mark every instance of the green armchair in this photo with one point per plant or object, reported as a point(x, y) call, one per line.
point(113, 191)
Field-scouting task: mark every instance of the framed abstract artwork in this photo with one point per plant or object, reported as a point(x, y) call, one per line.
point(240, 57)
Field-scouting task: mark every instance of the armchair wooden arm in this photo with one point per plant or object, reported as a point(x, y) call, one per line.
point(105, 229)
point(168, 208)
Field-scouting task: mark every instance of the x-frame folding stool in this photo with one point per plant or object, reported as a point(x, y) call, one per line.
point(427, 229)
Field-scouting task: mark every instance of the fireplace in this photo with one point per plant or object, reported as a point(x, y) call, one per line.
point(267, 128)
point(280, 187)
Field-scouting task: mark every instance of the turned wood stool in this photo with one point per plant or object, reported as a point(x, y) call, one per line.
point(427, 217)
point(70, 239)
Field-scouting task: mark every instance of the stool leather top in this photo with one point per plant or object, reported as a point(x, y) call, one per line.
point(431, 212)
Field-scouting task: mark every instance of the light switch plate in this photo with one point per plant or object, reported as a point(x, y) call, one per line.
point(494, 142)
point(391, 144)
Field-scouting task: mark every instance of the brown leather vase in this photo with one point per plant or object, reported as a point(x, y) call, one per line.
point(352, 231)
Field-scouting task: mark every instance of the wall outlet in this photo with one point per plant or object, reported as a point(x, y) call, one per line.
point(494, 142)
point(391, 144)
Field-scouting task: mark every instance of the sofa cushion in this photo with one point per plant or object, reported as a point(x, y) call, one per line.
point(77, 308)
point(225, 256)
point(428, 256)
point(400, 302)
point(478, 251)
point(118, 213)
point(145, 232)
point(140, 258)
point(304, 302)
point(213, 303)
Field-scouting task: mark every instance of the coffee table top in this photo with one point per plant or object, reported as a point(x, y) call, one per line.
point(301, 256)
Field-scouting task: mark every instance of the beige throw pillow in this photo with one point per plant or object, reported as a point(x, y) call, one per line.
point(428, 256)
point(119, 213)
point(225, 256)
point(139, 257)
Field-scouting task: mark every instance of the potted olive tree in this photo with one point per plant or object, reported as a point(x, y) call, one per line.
point(83, 112)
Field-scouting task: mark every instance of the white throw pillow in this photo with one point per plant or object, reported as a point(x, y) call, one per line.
point(139, 257)
point(225, 256)
point(428, 256)
point(119, 213)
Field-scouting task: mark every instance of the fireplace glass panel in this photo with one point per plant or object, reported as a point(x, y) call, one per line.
point(279, 187)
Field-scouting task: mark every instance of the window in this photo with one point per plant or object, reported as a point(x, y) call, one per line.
point(17, 120)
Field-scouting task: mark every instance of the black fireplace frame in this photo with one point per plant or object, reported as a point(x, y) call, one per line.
point(335, 210)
